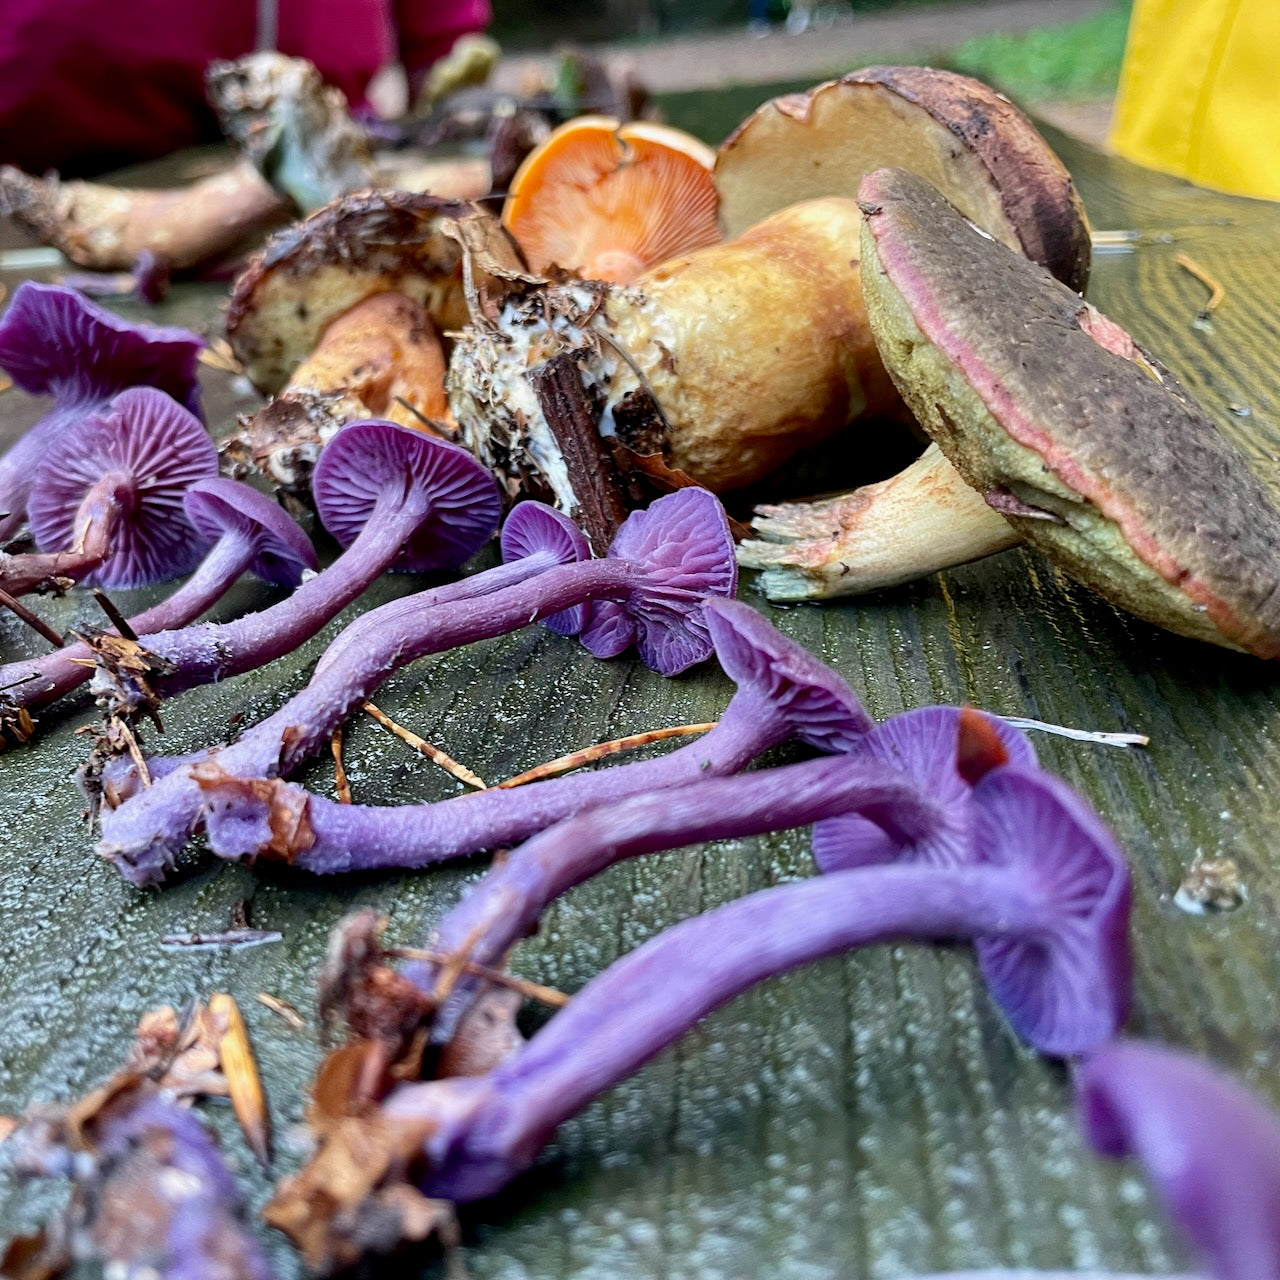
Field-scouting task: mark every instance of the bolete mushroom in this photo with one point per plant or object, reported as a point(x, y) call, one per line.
point(340, 318)
point(608, 200)
point(1074, 433)
point(721, 364)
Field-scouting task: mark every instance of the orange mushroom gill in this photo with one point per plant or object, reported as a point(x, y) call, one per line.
point(610, 200)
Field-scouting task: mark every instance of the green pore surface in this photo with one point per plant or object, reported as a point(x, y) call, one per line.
point(866, 1117)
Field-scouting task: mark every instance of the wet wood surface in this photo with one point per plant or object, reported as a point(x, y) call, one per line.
point(866, 1117)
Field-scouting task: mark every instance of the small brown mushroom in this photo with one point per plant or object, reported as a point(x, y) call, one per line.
point(340, 318)
point(1066, 426)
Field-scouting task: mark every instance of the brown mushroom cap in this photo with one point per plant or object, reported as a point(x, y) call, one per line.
point(1074, 433)
point(316, 270)
point(972, 143)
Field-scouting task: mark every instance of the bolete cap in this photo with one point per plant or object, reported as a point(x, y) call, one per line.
point(820, 706)
point(219, 506)
point(316, 270)
point(54, 341)
point(534, 527)
point(1067, 989)
point(1074, 433)
point(163, 449)
point(944, 750)
point(367, 460)
point(683, 549)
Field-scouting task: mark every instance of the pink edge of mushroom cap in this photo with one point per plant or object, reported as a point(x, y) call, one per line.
point(218, 505)
point(1004, 408)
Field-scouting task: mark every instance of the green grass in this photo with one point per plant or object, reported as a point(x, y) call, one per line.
point(1080, 60)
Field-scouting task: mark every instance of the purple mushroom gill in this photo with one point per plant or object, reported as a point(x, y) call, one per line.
point(116, 479)
point(417, 503)
point(782, 692)
point(1211, 1149)
point(145, 833)
point(1051, 886)
point(53, 341)
point(249, 532)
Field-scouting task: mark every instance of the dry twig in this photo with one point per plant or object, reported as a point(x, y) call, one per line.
point(434, 754)
point(602, 750)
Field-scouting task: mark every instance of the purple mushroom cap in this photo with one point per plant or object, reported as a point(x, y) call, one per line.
point(824, 711)
point(217, 506)
point(685, 548)
point(164, 449)
point(931, 746)
point(533, 527)
point(366, 459)
point(54, 341)
point(1211, 1148)
point(1068, 989)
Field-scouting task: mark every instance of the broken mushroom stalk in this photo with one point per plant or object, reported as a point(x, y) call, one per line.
point(1075, 434)
point(668, 559)
point(340, 318)
point(106, 506)
point(250, 534)
point(782, 693)
point(1045, 900)
point(53, 341)
point(104, 228)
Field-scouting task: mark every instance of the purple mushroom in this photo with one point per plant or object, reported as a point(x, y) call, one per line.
point(664, 595)
point(250, 533)
point(153, 1197)
point(1210, 1147)
point(53, 341)
point(1047, 903)
point(399, 498)
point(783, 692)
point(106, 506)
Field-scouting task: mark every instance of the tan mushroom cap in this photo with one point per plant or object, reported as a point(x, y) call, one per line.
point(308, 275)
point(970, 142)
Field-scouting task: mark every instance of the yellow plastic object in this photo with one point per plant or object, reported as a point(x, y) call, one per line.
point(1200, 93)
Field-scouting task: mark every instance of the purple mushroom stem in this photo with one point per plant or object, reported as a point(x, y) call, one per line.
point(53, 341)
point(1045, 901)
point(252, 534)
point(684, 551)
point(1210, 1148)
point(782, 692)
point(397, 497)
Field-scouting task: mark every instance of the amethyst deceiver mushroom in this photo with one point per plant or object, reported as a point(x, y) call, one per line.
point(1068, 428)
point(152, 1198)
point(250, 534)
point(1047, 903)
point(144, 834)
point(783, 692)
point(1211, 1149)
point(53, 341)
point(399, 498)
point(106, 506)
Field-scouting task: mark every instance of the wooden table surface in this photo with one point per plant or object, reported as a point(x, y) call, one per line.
point(870, 1116)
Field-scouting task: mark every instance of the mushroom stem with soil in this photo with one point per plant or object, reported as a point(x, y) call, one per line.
point(250, 533)
point(1045, 901)
point(782, 693)
point(53, 341)
point(681, 551)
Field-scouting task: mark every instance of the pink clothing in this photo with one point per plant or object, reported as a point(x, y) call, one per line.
point(88, 85)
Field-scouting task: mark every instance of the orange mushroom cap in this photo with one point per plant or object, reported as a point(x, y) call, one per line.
point(610, 200)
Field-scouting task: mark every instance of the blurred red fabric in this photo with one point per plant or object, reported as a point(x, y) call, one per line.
point(89, 85)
